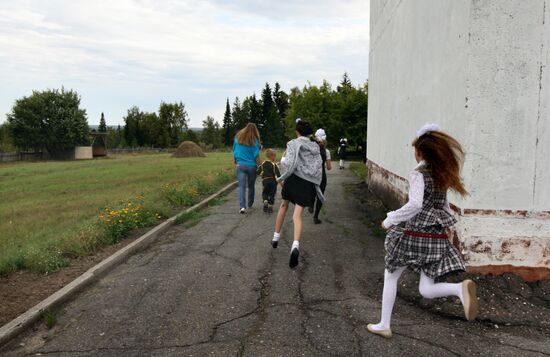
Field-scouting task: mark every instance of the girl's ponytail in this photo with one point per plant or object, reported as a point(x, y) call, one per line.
point(444, 156)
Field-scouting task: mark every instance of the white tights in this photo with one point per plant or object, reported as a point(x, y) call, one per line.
point(427, 287)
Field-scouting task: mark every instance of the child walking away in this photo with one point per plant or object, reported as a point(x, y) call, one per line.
point(301, 178)
point(269, 171)
point(342, 152)
point(246, 156)
point(423, 246)
point(321, 138)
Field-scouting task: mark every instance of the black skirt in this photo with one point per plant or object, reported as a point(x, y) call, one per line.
point(299, 191)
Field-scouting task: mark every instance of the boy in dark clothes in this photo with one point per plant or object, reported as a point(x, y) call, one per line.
point(269, 171)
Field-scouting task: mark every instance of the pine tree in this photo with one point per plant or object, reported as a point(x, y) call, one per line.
point(239, 115)
point(255, 112)
point(281, 103)
point(267, 105)
point(102, 124)
point(272, 132)
point(345, 85)
point(227, 125)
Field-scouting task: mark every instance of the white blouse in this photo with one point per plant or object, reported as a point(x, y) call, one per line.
point(414, 205)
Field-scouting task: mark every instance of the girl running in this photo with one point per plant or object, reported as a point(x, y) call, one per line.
point(301, 179)
point(423, 246)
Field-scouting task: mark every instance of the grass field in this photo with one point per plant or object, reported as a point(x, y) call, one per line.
point(51, 211)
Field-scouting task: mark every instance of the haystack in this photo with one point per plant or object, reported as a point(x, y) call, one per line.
point(188, 149)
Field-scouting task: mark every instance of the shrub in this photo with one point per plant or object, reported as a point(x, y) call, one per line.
point(117, 222)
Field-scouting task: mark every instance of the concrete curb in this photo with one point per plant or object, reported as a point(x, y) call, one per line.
point(19, 324)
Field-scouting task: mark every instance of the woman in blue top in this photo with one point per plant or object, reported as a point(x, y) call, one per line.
point(246, 154)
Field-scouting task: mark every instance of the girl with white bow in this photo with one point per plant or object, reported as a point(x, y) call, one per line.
point(423, 245)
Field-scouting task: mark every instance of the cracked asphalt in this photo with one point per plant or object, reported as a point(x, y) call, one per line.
point(219, 289)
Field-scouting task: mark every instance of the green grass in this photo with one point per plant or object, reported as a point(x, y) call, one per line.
point(50, 318)
point(50, 211)
point(359, 169)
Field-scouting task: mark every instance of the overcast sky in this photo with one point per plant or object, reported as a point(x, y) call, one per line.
point(120, 53)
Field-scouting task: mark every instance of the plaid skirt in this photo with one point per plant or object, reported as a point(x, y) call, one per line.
point(434, 256)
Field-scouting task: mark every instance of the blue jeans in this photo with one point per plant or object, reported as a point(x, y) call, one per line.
point(246, 175)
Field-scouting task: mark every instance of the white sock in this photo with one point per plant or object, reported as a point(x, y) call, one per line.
point(295, 244)
point(429, 289)
point(388, 298)
point(276, 236)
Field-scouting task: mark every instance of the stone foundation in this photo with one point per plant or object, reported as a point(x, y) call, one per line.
point(491, 241)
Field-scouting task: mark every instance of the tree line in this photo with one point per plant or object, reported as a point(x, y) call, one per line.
point(52, 120)
point(342, 112)
point(164, 129)
point(268, 113)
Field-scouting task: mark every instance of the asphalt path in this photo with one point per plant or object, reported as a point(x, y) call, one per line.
point(219, 289)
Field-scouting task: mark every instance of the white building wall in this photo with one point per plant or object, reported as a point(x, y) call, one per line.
point(542, 173)
point(415, 76)
point(503, 102)
point(478, 69)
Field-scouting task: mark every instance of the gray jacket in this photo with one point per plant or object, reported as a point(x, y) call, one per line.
point(303, 159)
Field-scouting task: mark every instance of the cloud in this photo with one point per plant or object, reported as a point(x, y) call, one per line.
point(197, 52)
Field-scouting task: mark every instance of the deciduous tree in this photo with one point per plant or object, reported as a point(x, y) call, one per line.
point(50, 119)
point(211, 133)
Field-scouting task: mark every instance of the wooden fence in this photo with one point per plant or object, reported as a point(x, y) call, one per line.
point(23, 156)
point(37, 156)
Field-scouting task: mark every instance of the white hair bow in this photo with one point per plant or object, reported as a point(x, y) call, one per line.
point(427, 128)
point(320, 134)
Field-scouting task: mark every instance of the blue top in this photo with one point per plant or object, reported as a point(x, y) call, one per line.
point(246, 155)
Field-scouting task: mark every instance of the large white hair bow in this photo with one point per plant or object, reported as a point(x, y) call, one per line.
point(428, 127)
point(320, 134)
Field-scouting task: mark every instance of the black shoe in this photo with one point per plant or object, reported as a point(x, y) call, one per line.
point(265, 206)
point(274, 243)
point(270, 209)
point(317, 220)
point(310, 209)
point(294, 258)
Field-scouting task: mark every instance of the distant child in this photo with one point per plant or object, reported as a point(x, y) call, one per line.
point(342, 152)
point(269, 171)
point(423, 245)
